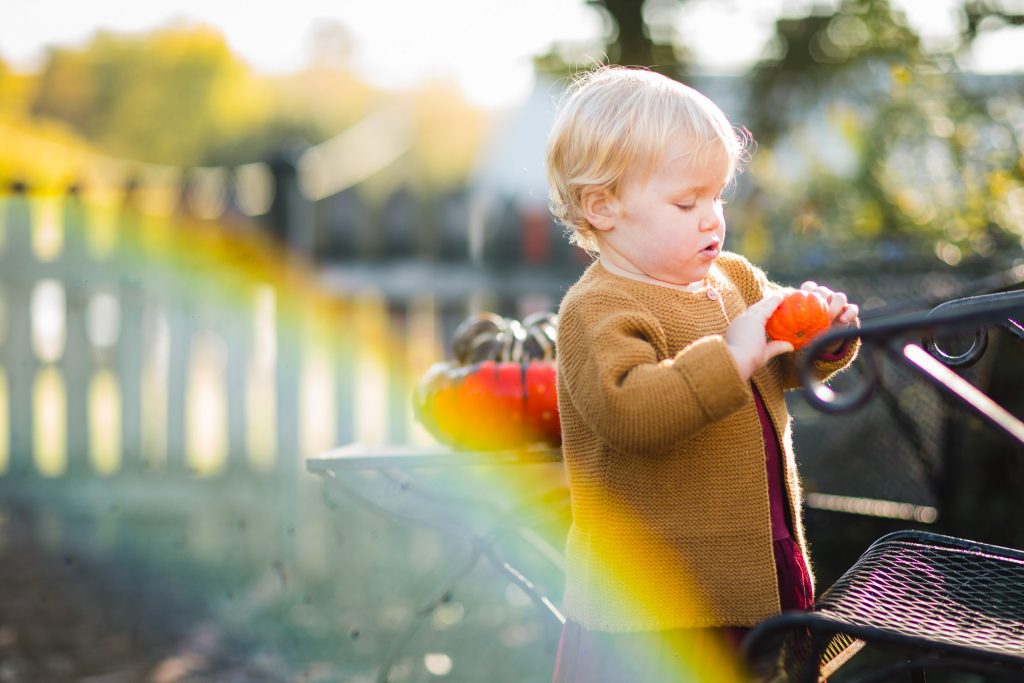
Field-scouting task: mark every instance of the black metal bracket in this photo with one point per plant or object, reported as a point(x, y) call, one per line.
point(974, 353)
point(898, 338)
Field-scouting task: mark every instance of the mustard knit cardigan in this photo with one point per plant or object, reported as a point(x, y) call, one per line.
point(664, 454)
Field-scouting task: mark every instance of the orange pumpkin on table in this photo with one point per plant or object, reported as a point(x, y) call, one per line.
point(499, 391)
point(800, 317)
point(490, 405)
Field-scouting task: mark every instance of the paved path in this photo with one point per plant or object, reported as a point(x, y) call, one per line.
point(62, 621)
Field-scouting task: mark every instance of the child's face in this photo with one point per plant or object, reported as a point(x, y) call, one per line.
point(671, 226)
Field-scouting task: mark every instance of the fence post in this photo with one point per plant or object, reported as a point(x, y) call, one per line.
point(236, 329)
point(19, 358)
point(291, 215)
point(130, 344)
point(179, 316)
point(399, 391)
point(76, 363)
point(288, 459)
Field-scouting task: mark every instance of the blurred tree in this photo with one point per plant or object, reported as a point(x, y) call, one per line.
point(879, 154)
point(845, 105)
point(809, 53)
point(15, 91)
point(638, 33)
point(983, 14)
point(642, 33)
point(872, 146)
point(633, 43)
point(179, 96)
point(7, 88)
point(163, 98)
point(311, 105)
point(5, 74)
point(449, 135)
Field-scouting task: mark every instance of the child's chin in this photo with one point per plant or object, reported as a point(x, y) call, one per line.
point(704, 266)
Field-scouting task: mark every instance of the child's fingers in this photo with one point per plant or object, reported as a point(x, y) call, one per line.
point(836, 304)
point(837, 301)
point(766, 306)
point(850, 314)
point(821, 290)
point(776, 348)
point(763, 308)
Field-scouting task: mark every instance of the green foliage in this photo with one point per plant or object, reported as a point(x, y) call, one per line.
point(814, 51)
point(637, 34)
point(869, 144)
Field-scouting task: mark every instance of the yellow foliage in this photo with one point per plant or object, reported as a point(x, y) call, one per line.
point(178, 97)
point(44, 154)
point(332, 98)
point(241, 104)
point(449, 134)
point(1000, 183)
point(16, 91)
point(868, 220)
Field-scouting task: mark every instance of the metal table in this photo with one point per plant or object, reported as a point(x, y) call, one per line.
point(359, 457)
point(413, 485)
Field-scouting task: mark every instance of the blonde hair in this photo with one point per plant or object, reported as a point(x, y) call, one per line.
point(615, 121)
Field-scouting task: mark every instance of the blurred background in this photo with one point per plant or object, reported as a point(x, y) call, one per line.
point(233, 238)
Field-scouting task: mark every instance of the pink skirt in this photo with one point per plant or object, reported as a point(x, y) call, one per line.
point(597, 657)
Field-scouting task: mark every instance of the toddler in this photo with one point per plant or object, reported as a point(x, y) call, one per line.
point(686, 502)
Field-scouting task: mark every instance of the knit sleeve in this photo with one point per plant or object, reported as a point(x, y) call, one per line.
point(633, 400)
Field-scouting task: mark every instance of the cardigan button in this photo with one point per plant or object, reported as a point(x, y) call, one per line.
point(713, 294)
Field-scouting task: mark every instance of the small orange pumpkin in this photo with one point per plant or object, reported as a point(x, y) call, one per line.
point(800, 317)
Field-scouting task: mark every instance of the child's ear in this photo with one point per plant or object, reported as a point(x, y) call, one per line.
point(599, 207)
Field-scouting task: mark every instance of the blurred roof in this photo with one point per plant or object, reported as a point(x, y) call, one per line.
point(512, 162)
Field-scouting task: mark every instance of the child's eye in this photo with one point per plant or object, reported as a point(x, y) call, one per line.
point(686, 207)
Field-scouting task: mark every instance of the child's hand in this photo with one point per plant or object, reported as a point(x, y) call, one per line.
point(747, 340)
point(840, 311)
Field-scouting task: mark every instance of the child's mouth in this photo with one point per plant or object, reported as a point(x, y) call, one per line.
point(711, 251)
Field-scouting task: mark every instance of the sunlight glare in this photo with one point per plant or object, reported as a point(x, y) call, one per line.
point(261, 404)
point(371, 369)
point(485, 47)
point(998, 51)
point(105, 423)
point(47, 229)
point(438, 663)
point(318, 402)
point(49, 411)
point(49, 331)
point(207, 405)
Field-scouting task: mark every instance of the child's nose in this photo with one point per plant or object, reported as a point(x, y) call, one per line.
point(710, 221)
